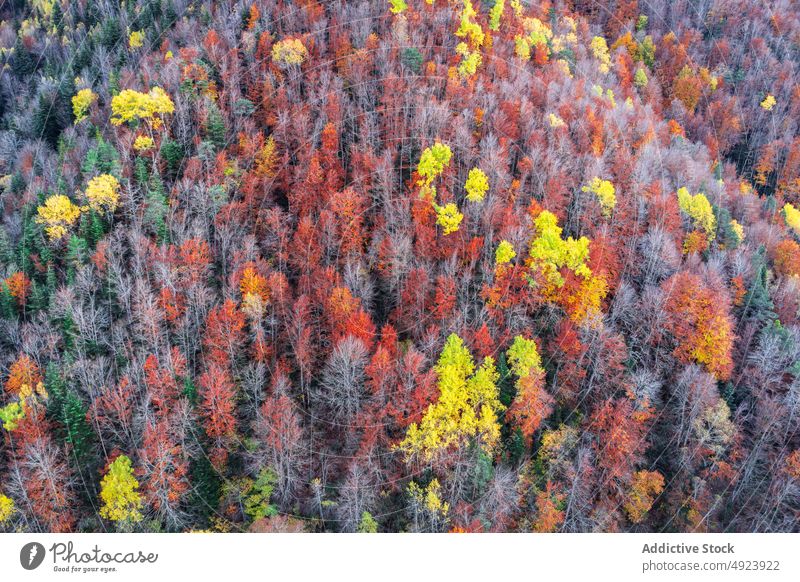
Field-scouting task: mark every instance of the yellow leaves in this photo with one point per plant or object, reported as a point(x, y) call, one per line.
point(102, 192)
point(7, 509)
point(433, 161)
point(645, 488)
point(522, 48)
point(504, 253)
point(792, 217)
point(537, 34)
point(289, 52)
point(555, 121)
point(448, 217)
point(477, 185)
point(549, 252)
point(132, 105)
point(600, 51)
point(470, 60)
point(57, 214)
point(768, 103)
point(397, 6)
point(267, 159)
point(121, 500)
point(430, 497)
point(142, 143)
point(136, 39)
point(495, 14)
point(699, 209)
point(640, 78)
point(466, 410)
point(469, 29)
point(13, 412)
point(473, 35)
point(523, 357)
point(605, 192)
point(81, 102)
point(737, 229)
point(253, 283)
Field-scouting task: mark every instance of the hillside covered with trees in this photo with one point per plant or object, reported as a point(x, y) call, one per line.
point(405, 265)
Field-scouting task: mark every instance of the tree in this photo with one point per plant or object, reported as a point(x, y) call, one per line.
point(150, 107)
point(699, 209)
point(58, 214)
point(532, 403)
point(605, 193)
point(217, 408)
point(119, 493)
point(477, 185)
point(646, 486)
point(224, 333)
point(24, 374)
point(164, 470)
point(700, 322)
point(81, 102)
point(289, 52)
point(102, 192)
point(466, 410)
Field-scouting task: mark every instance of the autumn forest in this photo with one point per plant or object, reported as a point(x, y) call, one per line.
point(399, 266)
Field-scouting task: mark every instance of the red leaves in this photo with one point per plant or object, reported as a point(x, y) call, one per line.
point(620, 438)
point(217, 407)
point(348, 318)
point(164, 469)
point(532, 404)
point(44, 475)
point(224, 333)
point(701, 323)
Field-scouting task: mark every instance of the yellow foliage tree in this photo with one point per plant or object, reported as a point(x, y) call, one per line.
point(397, 6)
point(768, 103)
point(699, 209)
point(57, 214)
point(495, 14)
point(448, 217)
point(549, 253)
point(466, 411)
point(432, 162)
point(289, 52)
point(142, 143)
point(7, 509)
point(605, 192)
point(136, 39)
point(477, 185)
point(102, 192)
point(646, 486)
point(600, 52)
point(81, 102)
point(132, 105)
point(504, 253)
point(792, 217)
point(121, 500)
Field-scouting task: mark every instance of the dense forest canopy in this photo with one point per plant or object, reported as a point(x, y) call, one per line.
point(406, 265)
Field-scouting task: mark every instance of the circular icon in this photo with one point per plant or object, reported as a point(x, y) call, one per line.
point(31, 555)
